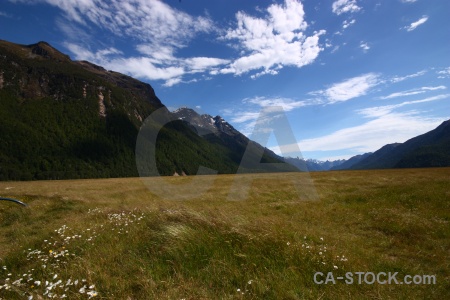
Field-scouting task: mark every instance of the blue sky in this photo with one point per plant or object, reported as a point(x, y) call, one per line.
point(351, 75)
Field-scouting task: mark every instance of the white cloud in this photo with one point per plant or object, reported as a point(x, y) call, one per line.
point(347, 23)
point(433, 88)
point(286, 103)
point(336, 48)
point(408, 1)
point(157, 53)
point(97, 57)
point(378, 111)
point(265, 72)
point(144, 68)
point(250, 111)
point(416, 24)
point(345, 6)
point(172, 81)
point(274, 41)
point(141, 67)
point(243, 117)
point(402, 78)
point(364, 46)
point(414, 91)
point(445, 73)
point(349, 88)
point(203, 63)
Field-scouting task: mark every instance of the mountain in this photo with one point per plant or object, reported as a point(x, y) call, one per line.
point(329, 164)
point(204, 124)
point(375, 157)
point(351, 161)
point(63, 119)
point(313, 164)
point(431, 149)
point(217, 130)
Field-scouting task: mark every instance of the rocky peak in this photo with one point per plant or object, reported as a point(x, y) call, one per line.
point(204, 124)
point(224, 126)
point(43, 49)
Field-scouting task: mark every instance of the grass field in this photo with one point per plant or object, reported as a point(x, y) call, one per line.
point(114, 239)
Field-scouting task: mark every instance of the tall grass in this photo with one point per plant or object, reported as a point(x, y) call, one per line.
point(114, 239)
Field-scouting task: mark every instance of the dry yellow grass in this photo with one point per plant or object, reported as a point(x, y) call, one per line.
point(268, 246)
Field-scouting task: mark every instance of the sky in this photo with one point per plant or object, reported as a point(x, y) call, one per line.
point(349, 75)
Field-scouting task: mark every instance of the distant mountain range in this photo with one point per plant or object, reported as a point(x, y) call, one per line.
point(62, 119)
point(313, 164)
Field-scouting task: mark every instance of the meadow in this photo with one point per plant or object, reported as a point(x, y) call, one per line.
point(115, 239)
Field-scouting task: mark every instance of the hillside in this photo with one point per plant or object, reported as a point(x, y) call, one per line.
point(217, 130)
point(374, 158)
point(431, 149)
point(63, 119)
point(351, 161)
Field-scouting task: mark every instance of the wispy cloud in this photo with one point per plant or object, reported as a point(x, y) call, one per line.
point(158, 29)
point(416, 24)
point(82, 53)
point(402, 78)
point(345, 25)
point(378, 111)
point(345, 6)
point(349, 88)
point(408, 1)
point(251, 108)
point(386, 126)
point(201, 64)
point(348, 23)
point(135, 18)
point(445, 73)
point(274, 41)
point(267, 44)
point(372, 135)
point(364, 46)
point(414, 92)
point(286, 103)
point(6, 15)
